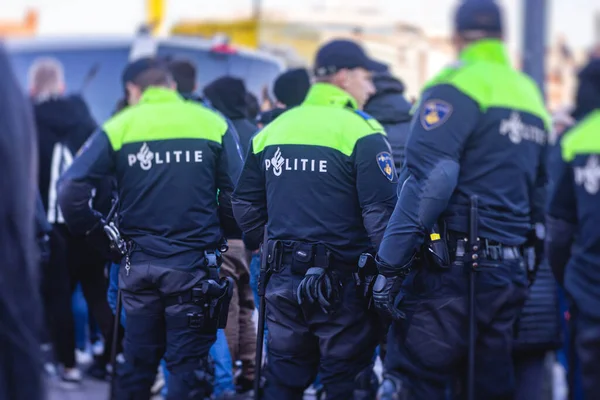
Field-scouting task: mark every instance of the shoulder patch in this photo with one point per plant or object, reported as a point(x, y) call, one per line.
point(435, 113)
point(386, 165)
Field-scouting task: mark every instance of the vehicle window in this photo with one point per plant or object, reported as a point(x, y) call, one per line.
point(102, 92)
point(255, 72)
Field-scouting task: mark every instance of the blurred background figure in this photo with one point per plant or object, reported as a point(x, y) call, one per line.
point(228, 95)
point(20, 305)
point(184, 73)
point(290, 89)
point(63, 125)
point(391, 109)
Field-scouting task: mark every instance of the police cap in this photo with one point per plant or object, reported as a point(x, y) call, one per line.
point(344, 54)
point(479, 15)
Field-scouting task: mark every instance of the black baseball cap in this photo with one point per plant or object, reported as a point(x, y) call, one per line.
point(479, 15)
point(344, 54)
point(139, 66)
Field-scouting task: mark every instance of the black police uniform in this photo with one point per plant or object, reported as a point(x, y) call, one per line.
point(322, 178)
point(175, 163)
point(479, 130)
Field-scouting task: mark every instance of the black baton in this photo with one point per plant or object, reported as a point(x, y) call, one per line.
point(473, 264)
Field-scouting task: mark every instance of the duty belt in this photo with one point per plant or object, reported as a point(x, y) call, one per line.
point(301, 256)
point(490, 249)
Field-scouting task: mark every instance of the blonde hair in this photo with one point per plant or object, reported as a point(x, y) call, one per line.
point(46, 78)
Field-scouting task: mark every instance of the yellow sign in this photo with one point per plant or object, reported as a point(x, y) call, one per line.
point(241, 32)
point(155, 13)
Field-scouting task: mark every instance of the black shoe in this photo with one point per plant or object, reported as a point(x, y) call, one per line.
point(244, 385)
point(98, 371)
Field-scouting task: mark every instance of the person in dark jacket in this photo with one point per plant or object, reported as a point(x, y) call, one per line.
point(252, 106)
point(228, 96)
point(391, 109)
point(64, 123)
point(20, 305)
point(290, 89)
point(587, 98)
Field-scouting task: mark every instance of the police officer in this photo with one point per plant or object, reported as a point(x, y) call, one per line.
point(170, 158)
point(322, 178)
point(480, 129)
point(573, 239)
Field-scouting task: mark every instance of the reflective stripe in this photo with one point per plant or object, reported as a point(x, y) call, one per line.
point(61, 161)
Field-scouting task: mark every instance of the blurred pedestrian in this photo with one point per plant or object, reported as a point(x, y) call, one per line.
point(290, 89)
point(228, 95)
point(20, 305)
point(63, 124)
point(391, 109)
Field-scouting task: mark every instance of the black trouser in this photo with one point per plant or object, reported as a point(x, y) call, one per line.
point(87, 267)
point(56, 294)
point(154, 330)
point(428, 349)
point(74, 261)
point(304, 341)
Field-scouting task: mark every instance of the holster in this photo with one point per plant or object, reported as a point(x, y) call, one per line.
point(213, 297)
point(435, 249)
point(365, 276)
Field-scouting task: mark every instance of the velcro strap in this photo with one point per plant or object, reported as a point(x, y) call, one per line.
point(181, 298)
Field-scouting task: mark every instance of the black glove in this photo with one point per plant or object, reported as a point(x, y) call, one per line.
point(321, 286)
point(387, 289)
point(386, 296)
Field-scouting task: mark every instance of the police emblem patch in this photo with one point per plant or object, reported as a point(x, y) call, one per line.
point(435, 113)
point(386, 165)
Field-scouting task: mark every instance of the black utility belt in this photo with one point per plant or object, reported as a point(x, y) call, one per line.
point(488, 250)
point(301, 256)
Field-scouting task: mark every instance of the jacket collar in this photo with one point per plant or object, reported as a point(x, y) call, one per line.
point(155, 94)
point(490, 50)
point(325, 94)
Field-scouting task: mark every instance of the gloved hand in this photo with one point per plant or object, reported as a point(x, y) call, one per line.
point(385, 296)
point(387, 288)
point(321, 286)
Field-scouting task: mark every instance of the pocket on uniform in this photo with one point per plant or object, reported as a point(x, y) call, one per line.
point(302, 259)
point(493, 274)
point(436, 332)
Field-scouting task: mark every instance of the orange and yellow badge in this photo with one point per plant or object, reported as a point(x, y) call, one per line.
point(386, 165)
point(435, 113)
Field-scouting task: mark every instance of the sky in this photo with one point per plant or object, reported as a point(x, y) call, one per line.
point(573, 18)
